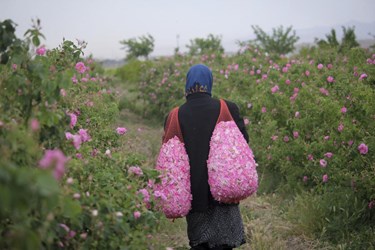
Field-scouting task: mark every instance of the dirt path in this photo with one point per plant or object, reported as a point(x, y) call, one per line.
point(266, 225)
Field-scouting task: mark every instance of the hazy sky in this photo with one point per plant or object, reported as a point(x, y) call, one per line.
point(104, 23)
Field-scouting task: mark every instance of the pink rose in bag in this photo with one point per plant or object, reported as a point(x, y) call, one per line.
point(232, 174)
point(173, 194)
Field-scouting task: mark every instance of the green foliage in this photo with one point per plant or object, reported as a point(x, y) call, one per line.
point(138, 47)
point(280, 42)
point(34, 34)
point(211, 44)
point(131, 72)
point(331, 40)
point(91, 206)
point(348, 40)
point(289, 163)
point(8, 40)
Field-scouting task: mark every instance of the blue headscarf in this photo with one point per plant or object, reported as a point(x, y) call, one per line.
point(198, 79)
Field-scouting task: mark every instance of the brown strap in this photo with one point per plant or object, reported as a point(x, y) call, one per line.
point(172, 127)
point(225, 114)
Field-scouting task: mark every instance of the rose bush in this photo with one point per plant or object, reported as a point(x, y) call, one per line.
point(64, 181)
point(310, 120)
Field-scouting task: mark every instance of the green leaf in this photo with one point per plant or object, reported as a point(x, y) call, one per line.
point(71, 208)
point(36, 41)
point(47, 185)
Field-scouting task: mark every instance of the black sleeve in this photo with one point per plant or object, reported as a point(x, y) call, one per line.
point(235, 112)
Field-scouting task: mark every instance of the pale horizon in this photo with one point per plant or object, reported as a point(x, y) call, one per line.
point(102, 24)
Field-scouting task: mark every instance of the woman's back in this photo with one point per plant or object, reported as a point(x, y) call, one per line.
point(198, 118)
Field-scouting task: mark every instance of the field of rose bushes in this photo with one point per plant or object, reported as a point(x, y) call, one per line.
point(69, 179)
point(311, 121)
point(65, 181)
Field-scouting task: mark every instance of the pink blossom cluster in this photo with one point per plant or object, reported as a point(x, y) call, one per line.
point(232, 174)
point(173, 193)
point(324, 91)
point(135, 170)
point(56, 159)
point(71, 233)
point(78, 139)
point(146, 197)
point(73, 120)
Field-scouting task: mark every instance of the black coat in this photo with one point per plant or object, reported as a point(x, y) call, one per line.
point(197, 117)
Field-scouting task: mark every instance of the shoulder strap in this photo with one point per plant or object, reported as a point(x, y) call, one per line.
point(172, 126)
point(225, 114)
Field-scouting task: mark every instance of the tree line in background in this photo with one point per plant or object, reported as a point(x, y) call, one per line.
point(281, 41)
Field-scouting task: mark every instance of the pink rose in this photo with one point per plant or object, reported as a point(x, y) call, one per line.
point(295, 134)
point(56, 159)
point(363, 76)
point(80, 67)
point(74, 79)
point(310, 157)
point(328, 155)
point(73, 120)
point(274, 89)
point(84, 135)
point(363, 149)
point(121, 130)
point(343, 110)
point(41, 51)
point(286, 138)
point(77, 141)
point(297, 114)
point(305, 178)
point(34, 124)
point(264, 109)
point(137, 214)
point(323, 163)
point(287, 81)
point(307, 73)
point(320, 66)
point(340, 128)
point(62, 92)
point(325, 178)
point(68, 135)
point(330, 79)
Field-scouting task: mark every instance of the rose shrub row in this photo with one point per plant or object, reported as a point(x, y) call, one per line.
point(64, 181)
point(311, 120)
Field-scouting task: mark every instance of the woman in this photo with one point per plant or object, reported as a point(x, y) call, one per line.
point(210, 224)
